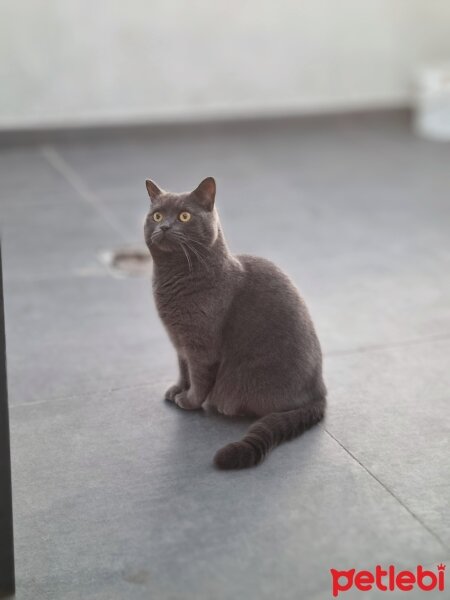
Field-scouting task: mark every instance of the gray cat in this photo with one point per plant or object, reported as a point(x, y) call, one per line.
point(245, 341)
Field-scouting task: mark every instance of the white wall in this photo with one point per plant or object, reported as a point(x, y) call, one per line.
point(81, 61)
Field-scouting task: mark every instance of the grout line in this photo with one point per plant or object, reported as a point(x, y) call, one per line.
point(89, 394)
point(400, 344)
point(390, 492)
point(102, 272)
point(97, 272)
point(60, 165)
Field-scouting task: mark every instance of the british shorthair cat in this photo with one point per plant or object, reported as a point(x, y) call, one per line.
point(245, 341)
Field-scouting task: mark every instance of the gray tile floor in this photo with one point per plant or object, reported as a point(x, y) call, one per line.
point(115, 495)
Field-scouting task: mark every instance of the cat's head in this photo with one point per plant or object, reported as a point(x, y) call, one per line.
point(177, 219)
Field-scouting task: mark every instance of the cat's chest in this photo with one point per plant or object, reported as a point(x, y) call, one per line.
point(186, 314)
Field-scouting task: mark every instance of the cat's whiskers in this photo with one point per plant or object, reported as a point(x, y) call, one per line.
point(155, 237)
point(203, 246)
point(187, 256)
point(198, 254)
point(199, 243)
point(200, 258)
point(186, 246)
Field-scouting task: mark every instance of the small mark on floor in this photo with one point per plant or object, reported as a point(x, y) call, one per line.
point(128, 262)
point(138, 577)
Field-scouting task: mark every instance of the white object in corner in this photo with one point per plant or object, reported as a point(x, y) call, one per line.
point(432, 102)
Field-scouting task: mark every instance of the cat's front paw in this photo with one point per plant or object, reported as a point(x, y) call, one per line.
point(183, 400)
point(172, 392)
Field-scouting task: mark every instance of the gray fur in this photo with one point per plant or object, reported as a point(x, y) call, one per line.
point(246, 344)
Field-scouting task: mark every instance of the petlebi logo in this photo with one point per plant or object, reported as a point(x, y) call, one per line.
point(388, 580)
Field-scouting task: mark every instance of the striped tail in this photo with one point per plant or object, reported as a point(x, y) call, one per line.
point(268, 433)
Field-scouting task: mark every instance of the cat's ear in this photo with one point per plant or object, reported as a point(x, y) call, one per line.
point(205, 193)
point(153, 190)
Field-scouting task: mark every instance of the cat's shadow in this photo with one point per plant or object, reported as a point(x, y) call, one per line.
point(202, 432)
point(198, 434)
point(211, 413)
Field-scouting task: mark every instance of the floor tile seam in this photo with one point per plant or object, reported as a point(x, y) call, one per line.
point(389, 491)
point(86, 395)
point(76, 181)
point(386, 346)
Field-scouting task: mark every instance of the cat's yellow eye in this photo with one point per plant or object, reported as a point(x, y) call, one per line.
point(157, 216)
point(184, 217)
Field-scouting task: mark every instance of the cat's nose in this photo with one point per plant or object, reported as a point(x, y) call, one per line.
point(164, 226)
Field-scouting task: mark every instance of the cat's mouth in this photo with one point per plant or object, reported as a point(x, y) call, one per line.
point(163, 240)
